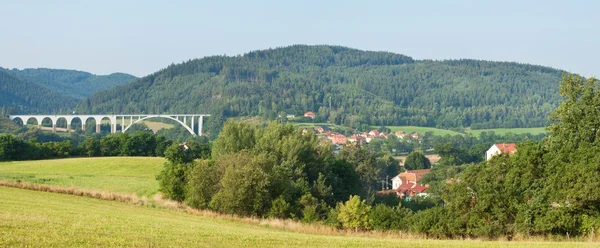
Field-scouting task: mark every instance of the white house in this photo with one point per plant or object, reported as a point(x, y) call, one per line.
point(509, 148)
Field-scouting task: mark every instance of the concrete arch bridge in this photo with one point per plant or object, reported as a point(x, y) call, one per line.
point(188, 121)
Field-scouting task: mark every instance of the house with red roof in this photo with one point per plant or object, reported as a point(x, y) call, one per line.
point(509, 148)
point(407, 190)
point(338, 139)
point(374, 133)
point(355, 138)
point(310, 114)
point(411, 176)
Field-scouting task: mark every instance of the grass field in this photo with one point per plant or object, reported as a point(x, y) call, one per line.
point(42, 219)
point(421, 130)
point(108, 174)
point(156, 125)
point(318, 124)
point(533, 130)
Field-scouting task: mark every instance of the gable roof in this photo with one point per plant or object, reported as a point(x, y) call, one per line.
point(413, 175)
point(507, 147)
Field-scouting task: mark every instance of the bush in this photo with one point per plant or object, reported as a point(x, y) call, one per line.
point(279, 208)
point(354, 214)
point(202, 185)
point(385, 217)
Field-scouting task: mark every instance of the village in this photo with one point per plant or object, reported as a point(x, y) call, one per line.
point(406, 184)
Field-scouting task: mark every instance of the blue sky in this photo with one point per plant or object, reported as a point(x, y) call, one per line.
point(141, 37)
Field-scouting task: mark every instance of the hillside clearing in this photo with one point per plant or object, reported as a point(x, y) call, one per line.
point(56, 220)
point(109, 174)
point(503, 131)
point(421, 130)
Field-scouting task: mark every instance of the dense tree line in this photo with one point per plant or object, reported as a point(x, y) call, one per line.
point(273, 171)
point(546, 188)
point(35, 144)
point(344, 86)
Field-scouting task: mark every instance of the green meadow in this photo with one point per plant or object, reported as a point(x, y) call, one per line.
point(502, 131)
point(421, 130)
point(107, 174)
point(43, 219)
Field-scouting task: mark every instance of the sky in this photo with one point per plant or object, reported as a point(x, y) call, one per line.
point(141, 37)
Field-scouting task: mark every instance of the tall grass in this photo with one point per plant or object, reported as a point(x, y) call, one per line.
point(283, 224)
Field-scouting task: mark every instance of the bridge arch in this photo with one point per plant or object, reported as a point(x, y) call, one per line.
point(20, 121)
point(37, 120)
point(162, 116)
point(52, 121)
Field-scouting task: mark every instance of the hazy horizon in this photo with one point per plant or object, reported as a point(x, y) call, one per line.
point(141, 37)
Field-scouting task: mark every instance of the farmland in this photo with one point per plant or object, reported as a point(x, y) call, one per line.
point(57, 220)
point(112, 174)
point(502, 131)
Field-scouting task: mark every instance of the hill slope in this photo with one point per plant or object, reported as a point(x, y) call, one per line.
point(77, 84)
point(345, 86)
point(25, 97)
point(109, 174)
point(43, 219)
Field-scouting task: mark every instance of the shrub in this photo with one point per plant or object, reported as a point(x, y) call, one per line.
point(385, 217)
point(354, 214)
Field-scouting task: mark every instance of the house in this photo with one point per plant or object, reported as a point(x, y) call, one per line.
point(323, 129)
point(338, 139)
point(415, 135)
point(374, 133)
point(411, 176)
point(355, 138)
point(310, 114)
point(290, 116)
point(407, 190)
point(509, 148)
point(400, 134)
point(384, 135)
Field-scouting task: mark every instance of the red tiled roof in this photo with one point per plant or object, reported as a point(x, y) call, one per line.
point(405, 187)
point(420, 172)
point(419, 188)
point(413, 175)
point(507, 147)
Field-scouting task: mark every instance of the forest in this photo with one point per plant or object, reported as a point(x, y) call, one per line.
point(547, 188)
point(51, 91)
point(77, 84)
point(20, 96)
point(343, 86)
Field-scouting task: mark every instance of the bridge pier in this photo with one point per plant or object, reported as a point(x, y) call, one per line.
point(200, 123)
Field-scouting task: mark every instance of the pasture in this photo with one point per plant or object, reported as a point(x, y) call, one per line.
point(107, 174)
point(421, 130)
point(503, 131)
point(43, 219)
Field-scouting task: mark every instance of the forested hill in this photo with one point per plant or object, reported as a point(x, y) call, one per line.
point(73, 83)
point(345, 86)
point(20, 96)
